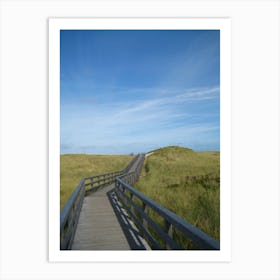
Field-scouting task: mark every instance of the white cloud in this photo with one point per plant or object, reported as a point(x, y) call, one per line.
point(163, 118)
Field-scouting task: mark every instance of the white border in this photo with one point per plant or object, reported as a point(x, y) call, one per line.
point(224, 25)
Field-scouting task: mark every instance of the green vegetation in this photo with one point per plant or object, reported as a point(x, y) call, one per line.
point(73, 167)
point(181, 180)
point(187, 183)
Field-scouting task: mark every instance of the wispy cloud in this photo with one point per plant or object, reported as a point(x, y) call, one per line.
point(127, 91)
point(166, 117)
point(194, 95)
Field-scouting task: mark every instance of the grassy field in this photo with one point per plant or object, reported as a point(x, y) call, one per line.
point(75, 166)
point(187, 183)
point(183, 181)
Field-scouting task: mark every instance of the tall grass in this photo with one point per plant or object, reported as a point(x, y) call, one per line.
point(187, 183)
point(73, 167)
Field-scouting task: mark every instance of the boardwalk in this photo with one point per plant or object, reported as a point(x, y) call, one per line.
point(105, 225)
point(96, 218)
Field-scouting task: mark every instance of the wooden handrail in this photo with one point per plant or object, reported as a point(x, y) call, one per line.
point(125, 193)
point(70, 213)
point(69, 216)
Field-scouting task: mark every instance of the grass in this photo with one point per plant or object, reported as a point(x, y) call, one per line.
point(187, 183)
point(181, 180)
point(73, 167)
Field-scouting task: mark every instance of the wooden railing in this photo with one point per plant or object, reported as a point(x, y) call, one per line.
point(71, 211)
point(70, 215)
point(94, 183)
point(137, 205)
point(132, 177)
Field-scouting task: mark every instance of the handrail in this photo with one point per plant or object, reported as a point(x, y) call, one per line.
point(128, 167)
point(126, 193)
point(69, 215)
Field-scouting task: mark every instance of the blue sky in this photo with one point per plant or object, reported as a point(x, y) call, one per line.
point(130, 91)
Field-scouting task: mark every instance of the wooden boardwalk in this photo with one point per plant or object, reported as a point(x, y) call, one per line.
point(102, 219)
point(104, 225)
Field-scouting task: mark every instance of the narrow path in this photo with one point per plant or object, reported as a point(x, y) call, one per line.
point(104, 224)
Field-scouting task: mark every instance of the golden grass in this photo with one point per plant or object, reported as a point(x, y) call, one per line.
point(73, 167)
point(183, 181)
point(187, 183)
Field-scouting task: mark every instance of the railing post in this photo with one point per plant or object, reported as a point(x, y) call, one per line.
point(145, 210)
point(131, 205)
point(169, 230)
point(170, 219)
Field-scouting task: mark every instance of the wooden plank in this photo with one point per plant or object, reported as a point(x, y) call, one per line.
point(98, 227)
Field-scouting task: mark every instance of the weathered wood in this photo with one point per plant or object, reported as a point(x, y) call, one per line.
point(98, 227)
point(145, 210)
point(197, 236)
point(70, 213)
point(96, 222)
point(139, 223)
point(145, 217)
point(169, 230)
